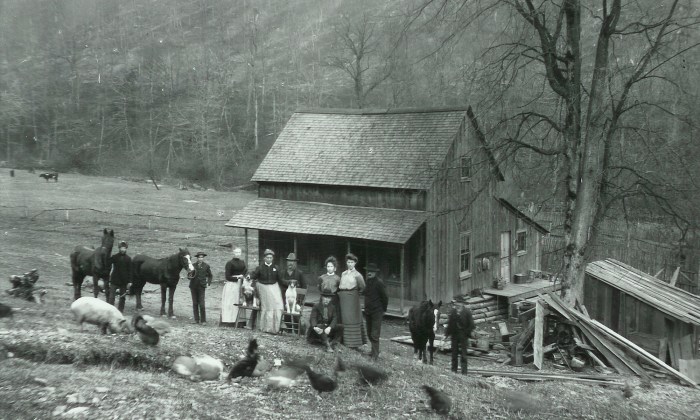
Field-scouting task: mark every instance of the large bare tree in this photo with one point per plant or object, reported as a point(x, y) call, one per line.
point(570, 80)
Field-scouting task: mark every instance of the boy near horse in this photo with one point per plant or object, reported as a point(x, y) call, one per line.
point(121, 276)
point(198, 285)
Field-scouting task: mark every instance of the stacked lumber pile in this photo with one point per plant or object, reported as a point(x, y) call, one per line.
point(573, 340)
point(484, 309)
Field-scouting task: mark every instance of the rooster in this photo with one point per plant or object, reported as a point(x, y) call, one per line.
point(147, 333)
point(439, 401)
point(246, 366)
point(369, 375)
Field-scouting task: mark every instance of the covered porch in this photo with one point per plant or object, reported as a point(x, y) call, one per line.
point(392, 239)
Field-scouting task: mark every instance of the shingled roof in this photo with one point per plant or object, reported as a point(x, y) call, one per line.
point(389, 149)
point(387, 225)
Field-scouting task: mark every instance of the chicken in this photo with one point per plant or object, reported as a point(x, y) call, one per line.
point(157, 324)
point(321, 382)
point(439, 401)
point(5, 311)
point(147, 333)
point(369, 375)
point(246, 366)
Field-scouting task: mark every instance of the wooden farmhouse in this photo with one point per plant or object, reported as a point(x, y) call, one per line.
point(662, 319)
point(414, 191)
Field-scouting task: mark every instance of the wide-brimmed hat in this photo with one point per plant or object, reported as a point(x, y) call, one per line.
point(327, 293)
point(200, 254)
point(351, 256)
point(292, 257)
point(123, 244)
point(372, 267)
point(268, 252)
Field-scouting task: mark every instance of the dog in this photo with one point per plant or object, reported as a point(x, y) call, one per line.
point(49, 175)
point(290, 298)
point(248, 293)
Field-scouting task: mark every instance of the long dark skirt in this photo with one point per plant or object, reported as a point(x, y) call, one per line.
point(351, 315)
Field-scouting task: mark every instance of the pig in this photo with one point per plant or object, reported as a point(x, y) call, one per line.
point(198, 368)
point(98, 312)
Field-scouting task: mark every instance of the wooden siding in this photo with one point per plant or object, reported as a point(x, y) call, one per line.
point(640, 322)
point(457, 206)
point(344, 195)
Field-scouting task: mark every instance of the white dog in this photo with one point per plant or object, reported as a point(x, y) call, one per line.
point(290, 300)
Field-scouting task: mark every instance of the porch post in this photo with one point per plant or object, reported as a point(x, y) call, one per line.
point(245, 231)
point(403, 273)
point(295, 245)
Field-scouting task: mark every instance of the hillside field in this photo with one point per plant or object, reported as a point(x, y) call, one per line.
point(56, 369)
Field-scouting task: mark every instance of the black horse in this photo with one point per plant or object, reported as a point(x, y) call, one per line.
point(85, 261)
point(163, 271)
point(423, 321)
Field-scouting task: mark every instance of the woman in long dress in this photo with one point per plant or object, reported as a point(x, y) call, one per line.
point(351, 285)
point(329, 281)
point(267, 282)
point(230, 296)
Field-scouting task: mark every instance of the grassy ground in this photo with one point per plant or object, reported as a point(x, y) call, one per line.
point(58, 369)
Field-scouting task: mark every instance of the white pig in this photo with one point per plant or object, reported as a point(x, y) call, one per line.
point(100, 313)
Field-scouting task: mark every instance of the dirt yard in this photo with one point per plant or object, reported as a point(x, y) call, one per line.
point(56, 370)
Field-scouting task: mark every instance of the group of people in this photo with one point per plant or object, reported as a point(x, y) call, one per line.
point(336, 318)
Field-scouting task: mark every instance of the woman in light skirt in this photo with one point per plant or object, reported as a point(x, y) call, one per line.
point(230, 296)
point(267, 282)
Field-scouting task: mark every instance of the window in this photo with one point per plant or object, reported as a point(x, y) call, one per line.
point(465, 268)
point(465, 168)
point(521, 241)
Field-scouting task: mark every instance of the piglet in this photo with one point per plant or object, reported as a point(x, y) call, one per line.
point(100, 313)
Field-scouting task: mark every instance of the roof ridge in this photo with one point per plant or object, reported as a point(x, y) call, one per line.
point(377, 111)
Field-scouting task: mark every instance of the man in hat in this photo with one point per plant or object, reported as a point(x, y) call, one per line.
point(121, 276)
point(199, 281)
point(323, 322)
point(267, 282)
point(292, 273)
point(376, 302)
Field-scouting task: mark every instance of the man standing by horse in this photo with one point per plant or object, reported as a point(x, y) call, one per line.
point(199, 281)
point(121, 276)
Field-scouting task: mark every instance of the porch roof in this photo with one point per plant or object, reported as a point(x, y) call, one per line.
point(377, 224)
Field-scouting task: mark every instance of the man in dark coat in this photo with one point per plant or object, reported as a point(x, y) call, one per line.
point(376, 302)
point(201, 278)
point(460, 325)
point(121, 276)
point(292, 273)
point(324, 328)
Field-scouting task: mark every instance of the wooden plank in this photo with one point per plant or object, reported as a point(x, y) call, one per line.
point(676, 345)
point(690, 368)
point(686, 344)
point(663, 349)
point(540, 313)
point(643, 353)
point(589, 379)
point(674, 277)
point(658, 273)
point(503, 330)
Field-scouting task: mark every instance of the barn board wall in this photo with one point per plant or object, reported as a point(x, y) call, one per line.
point(455, 206)
point(344, 195)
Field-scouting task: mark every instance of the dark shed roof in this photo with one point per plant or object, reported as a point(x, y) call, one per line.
point(388, 148)
point(650, 290)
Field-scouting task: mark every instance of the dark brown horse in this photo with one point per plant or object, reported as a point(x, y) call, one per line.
point(85, 261)
point(163, 271)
